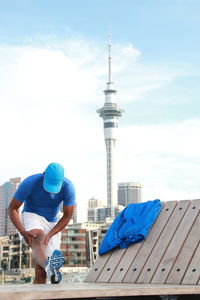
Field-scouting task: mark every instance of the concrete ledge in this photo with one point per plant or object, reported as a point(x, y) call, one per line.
point(92, 290)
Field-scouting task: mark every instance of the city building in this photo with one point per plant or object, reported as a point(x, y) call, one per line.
point(97, 212)
point(4, 252)
point(14, 254)
point(110, 114)
point(77, 244)
point(80, 243)
point(129, 192)
point(101, 214)
point(97, 236)
point(7, 191)
point(93, 203)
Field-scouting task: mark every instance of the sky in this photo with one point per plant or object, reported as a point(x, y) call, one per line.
point(54, 69)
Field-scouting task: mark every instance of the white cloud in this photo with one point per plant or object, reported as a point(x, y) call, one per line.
point(164, 158)
point(49, 96)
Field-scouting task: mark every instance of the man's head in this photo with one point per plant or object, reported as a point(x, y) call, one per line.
point(53, 178)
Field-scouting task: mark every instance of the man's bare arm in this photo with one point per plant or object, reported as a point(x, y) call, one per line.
point(67, 215)
point(13, 211)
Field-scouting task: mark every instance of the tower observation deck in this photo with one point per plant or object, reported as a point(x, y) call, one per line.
point(110, 114)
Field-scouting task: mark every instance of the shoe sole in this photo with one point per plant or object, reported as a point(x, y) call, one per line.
point(56, 262)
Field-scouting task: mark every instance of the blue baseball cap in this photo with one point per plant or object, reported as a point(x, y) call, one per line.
point(53, 178)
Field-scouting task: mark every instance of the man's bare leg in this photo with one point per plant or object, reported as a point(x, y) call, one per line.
point(41, 260)
point(38, 247)
point(39, 255)
point(40, 275)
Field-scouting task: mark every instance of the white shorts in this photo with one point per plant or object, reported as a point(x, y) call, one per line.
point(32, 221)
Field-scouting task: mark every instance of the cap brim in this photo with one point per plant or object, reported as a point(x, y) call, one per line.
point(55, 189)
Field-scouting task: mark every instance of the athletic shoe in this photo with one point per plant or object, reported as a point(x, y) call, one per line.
point(52, 269)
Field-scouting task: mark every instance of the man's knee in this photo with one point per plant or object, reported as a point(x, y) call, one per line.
point(37, 232)
point(39, 235)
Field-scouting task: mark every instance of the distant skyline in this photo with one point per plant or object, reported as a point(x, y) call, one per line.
point(53, 70)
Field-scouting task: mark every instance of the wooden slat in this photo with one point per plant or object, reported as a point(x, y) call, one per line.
point(193, 272)
point(176, 243)
point(136, 265)
point(111, 264)
point(163, 242)
point(185, 255)
point(125, 262)
point(97, 267)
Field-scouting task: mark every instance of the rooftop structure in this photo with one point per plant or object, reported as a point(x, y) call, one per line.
point(129, 192)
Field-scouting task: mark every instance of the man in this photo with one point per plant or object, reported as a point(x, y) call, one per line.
point(42, 195)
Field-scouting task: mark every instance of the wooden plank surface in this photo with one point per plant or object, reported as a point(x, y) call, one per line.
point(118, 263)
point(97, 267)
point(193, 272)
point(176, 243)
point(91, 290)
point(163, 242)
point(136, 266)
point(125, 262)
point(111, 264)
point(170, 253)
point(185, 255)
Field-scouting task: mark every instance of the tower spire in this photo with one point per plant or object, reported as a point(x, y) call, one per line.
point(109, 58)
point(110, 91)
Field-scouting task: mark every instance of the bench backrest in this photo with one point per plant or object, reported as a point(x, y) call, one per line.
point(170, 254)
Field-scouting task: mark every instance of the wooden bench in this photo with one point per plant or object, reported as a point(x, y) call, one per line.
point(169, 255)
point(166, 263)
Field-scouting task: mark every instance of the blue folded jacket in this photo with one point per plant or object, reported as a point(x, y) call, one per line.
point(131, 225)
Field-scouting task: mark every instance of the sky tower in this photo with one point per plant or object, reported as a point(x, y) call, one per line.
point(110, 114)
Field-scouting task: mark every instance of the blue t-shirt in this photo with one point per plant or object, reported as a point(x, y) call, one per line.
point(37, 200)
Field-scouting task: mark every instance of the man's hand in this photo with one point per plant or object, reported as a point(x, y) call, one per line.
point(28, 236)
point(46, 239)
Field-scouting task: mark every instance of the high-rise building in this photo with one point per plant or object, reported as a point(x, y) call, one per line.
point(7, 191)
point(110, 114)
point(129, 192)
point(97, 212)
point(109, 212)
point(93, 204)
